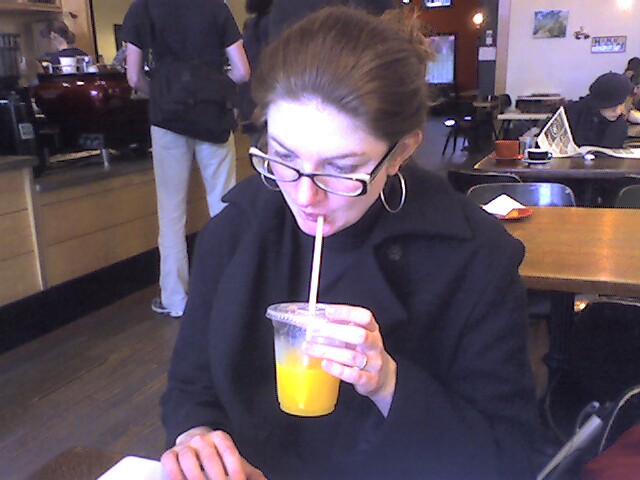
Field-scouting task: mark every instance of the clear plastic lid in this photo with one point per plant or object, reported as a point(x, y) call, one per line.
point(296, 313)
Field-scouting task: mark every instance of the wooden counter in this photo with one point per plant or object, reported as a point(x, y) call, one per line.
point(81, 217)
point(93, 224)
point(19, 266)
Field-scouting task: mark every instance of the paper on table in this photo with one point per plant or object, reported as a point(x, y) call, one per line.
point(135, 468)
point(502, 205)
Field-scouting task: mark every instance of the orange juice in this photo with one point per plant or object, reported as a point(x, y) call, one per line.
point(304, 388)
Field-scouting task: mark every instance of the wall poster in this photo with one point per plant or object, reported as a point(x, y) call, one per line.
point(610, 44)
point(550, 23)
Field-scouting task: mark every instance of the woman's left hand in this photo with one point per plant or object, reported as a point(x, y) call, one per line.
point(368, 366)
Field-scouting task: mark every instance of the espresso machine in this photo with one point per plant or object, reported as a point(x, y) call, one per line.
point(17, 135)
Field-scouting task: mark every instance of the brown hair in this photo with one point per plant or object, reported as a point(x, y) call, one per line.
point(369, 68)
point(60, 28)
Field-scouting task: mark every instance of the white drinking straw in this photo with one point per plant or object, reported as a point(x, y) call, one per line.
point(315, 266)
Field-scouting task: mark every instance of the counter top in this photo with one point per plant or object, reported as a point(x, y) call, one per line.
point(14, 162)
point(88, 170)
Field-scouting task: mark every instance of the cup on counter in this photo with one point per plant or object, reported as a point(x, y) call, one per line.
point(526, 143)
point(538, 154)
point(304, 388)
point(507, 149)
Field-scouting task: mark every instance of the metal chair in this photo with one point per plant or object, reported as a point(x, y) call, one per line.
point(463, 180)
point(537, 194)
point(530, 194)
point(460, 125)
point(607, 190)
point(629, 197)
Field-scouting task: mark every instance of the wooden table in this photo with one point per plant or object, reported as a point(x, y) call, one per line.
point(507, 118)
point(583, 250)
point(562, 168)
point(77, 463)
point(578, 250)
point(595, 183)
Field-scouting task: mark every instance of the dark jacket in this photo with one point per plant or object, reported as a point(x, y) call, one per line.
point(440, 276)
point(285, 13)
point(588, 127)
point(255, 36)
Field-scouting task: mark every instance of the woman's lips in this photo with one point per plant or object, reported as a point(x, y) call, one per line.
point(311, 217)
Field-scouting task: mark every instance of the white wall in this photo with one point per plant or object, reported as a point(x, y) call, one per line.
point(564, 65)
point(107, 13)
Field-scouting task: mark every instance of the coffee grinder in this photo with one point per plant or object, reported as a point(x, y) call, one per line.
point(17, 135)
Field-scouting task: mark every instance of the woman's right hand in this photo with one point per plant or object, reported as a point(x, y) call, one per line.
point(211, 452)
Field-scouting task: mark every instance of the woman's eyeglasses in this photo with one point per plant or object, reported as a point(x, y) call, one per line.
point(354, 185)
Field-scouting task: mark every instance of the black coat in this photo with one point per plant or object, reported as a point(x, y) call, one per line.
point(588, 127)
point(285, 13)
point(440, 276)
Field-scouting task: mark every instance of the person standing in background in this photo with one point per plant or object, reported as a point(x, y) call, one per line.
point(191, 41)
point(256, 36)
point(61, 39)
point(285, 13)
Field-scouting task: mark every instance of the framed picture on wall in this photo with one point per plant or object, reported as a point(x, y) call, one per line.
point(610, 44)
point(550, 23)
point(437, 3)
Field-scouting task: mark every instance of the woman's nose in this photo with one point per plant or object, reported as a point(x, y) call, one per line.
point(307, 192)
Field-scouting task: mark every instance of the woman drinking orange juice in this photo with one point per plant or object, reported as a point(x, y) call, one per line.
point(426, 312)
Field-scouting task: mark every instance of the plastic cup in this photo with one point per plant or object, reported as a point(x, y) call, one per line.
point(303, 387)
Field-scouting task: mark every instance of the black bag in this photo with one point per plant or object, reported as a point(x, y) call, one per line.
point(604, 361)
point(178, 86)
point(193, 97)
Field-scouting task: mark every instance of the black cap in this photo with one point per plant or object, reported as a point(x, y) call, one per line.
point(610, 90)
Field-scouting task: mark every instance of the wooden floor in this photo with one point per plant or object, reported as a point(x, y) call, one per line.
point(95, 382)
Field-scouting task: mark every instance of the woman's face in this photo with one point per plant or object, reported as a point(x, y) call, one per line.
point(612, 113)
point(314, 137)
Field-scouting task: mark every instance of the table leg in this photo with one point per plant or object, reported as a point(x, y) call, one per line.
point(504, 126)
point(560, 326)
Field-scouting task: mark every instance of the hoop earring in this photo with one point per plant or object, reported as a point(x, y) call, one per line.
point(273, 187)
point(403, 187)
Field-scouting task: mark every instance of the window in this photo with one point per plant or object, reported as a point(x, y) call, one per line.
point(441, 69)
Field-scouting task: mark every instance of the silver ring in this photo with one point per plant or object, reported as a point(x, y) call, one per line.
point(364, 363)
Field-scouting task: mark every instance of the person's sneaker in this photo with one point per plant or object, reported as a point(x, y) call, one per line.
point(158, 307)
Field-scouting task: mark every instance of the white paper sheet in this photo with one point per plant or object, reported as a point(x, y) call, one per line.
point(502, 205)
point(135, 468)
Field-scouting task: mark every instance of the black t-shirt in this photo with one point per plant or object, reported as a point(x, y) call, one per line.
point(185, 32)
point(285, 13)
point(182, 29)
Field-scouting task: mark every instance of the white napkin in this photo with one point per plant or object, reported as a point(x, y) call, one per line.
point(135, 468)
point(502, 205)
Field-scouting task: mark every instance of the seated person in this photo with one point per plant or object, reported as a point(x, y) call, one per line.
point(632, 107)
point(61, 39)
point(598, 118)
point(633, 68)
point(431, 329)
